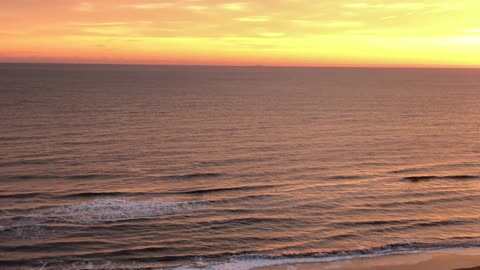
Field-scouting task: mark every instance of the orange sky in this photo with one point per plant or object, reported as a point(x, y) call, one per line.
point(220, 32)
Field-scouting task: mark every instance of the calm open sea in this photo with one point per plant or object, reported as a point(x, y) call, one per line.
point(154, 167)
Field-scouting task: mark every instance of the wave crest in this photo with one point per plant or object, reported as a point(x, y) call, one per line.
point(111, 210)
point(434, 177)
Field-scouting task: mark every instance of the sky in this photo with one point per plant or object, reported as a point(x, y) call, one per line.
point(219, 32)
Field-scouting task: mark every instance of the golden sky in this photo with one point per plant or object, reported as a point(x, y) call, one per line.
point(220, 32)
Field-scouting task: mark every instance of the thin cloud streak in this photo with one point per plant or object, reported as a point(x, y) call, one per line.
point(147, 6)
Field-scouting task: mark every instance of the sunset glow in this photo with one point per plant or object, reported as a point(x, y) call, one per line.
point(220, 32)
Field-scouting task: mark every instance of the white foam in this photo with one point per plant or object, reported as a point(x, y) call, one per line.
point(415, 257)
point(110, 210)
point(248, 264)
point(239, 264)
point(3, 228)
point(80, 265)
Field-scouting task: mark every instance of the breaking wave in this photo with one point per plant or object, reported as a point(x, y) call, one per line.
point(111, 210)
point(248, 262)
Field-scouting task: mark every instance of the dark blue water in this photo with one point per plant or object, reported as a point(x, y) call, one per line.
point(153, 167)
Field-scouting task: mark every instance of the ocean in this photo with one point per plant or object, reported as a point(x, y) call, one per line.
point(191, 167)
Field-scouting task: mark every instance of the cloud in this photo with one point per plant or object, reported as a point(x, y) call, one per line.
point(10, 32)
point(147, 6)
point(341, 24)
point(109, 31)
point(234, 6)
point(399, 6)
point(472, 30)
point(197, 8)
point(253, 19)
point(272, 34)
point(356, 5)
point(107, 24)
point(113, 28)
point(330, 24)
point(84, 6)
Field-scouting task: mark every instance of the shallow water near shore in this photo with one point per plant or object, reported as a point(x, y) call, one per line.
point(448, 259)
point(164, 167)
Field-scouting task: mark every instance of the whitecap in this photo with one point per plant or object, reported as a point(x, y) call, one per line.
point(239, 263)
point(111, 210)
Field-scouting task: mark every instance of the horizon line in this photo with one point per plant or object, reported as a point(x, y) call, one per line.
point(246, 66)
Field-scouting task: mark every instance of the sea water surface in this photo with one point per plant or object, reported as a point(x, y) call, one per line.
point(164, 167)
